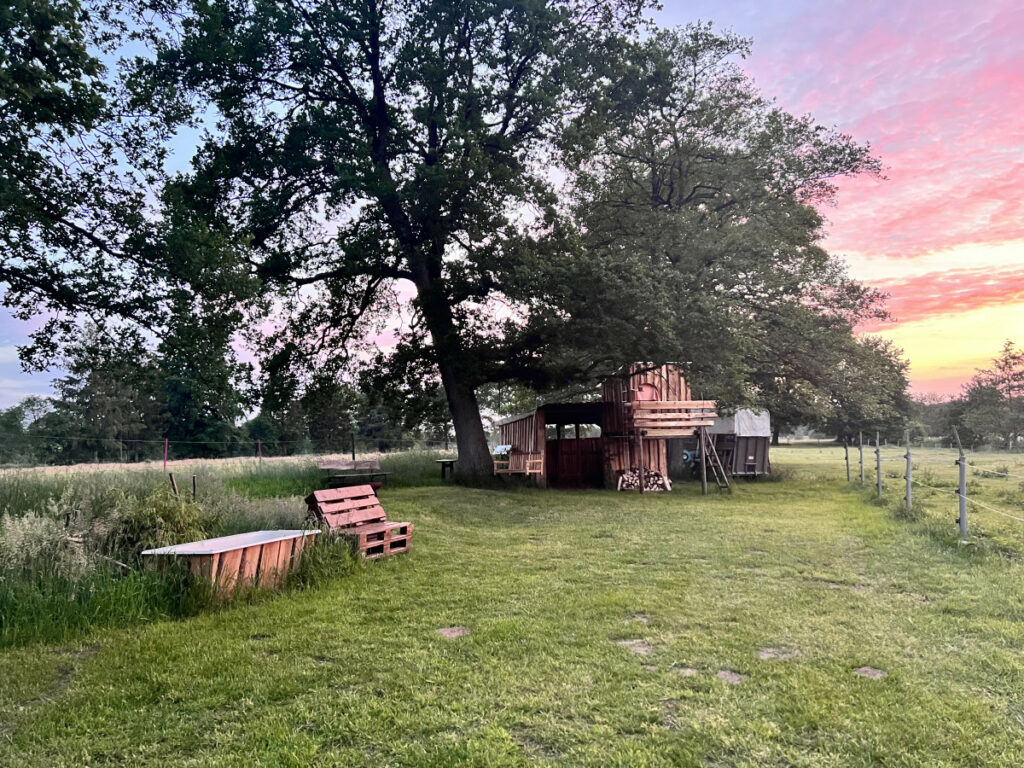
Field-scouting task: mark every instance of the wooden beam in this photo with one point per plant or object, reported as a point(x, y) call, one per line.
point(661, 415)
point(678, 405)
point(662, 433)
point(681, 423)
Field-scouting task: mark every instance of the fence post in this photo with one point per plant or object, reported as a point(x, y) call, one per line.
point(846, 455)
point(962, 488)
point(165, 454)
point(860, 448)
point(878, 462)
point(910, 474)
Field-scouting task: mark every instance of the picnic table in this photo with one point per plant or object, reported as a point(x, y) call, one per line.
point(345, 472)
point(447, 465)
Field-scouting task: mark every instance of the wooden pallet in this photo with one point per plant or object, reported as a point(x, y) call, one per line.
point(356, 512)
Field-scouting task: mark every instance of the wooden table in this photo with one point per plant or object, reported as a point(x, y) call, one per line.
point(447, 465)
point(343, 472)
point(256, 559)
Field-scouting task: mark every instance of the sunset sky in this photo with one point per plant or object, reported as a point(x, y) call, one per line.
point(938, 90)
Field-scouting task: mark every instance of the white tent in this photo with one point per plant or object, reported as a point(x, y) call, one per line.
point(743, 423)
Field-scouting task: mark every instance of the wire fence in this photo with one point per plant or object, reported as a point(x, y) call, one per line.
point(981, 494)
point(77, 450)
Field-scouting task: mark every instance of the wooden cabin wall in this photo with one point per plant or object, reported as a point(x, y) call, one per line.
point(526, 435)
point(521, 434)
point(668, 380)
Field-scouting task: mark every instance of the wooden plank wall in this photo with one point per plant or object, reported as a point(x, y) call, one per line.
point(526, 435)
point(668, 380)
point(521, 434)
point(620, 452)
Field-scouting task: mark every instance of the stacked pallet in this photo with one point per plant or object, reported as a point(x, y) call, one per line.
point(629, 480)
point(356, 512)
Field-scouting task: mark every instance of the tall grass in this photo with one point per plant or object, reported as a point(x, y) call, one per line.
point(45, 606)
point(79, 537)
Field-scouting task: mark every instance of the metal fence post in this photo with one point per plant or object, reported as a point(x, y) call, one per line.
point(910, 474)
point(961, 462)
point(878, 463)
point(846, 455)
point(860, 448)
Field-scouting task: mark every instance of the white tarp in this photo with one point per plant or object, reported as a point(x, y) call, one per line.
point(744, 423)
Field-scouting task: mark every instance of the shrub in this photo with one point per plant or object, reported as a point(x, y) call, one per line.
point(34, 543)
point(155, 520)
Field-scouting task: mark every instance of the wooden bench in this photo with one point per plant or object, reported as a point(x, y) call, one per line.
point(515, 462)
point(349, 472)
point(356, 512)
point(256, 559)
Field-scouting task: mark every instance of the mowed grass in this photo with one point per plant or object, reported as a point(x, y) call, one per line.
point(597, 625)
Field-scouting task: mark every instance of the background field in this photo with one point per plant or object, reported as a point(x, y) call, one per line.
point(598, 627)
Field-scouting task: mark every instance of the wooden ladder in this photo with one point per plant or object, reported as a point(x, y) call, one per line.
point(708, 445)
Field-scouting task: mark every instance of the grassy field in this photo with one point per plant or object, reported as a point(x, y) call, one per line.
point(603, 629)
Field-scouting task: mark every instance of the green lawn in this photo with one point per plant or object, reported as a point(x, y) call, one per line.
point(552, 587)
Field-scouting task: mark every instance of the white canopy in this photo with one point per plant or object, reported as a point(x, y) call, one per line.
point(744, 423)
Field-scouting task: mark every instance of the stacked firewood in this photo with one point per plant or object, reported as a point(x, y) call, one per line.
point(629, 480)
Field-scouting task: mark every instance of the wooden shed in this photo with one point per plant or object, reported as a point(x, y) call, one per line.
point(588, 444)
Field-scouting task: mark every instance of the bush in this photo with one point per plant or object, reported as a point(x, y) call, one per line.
point(155, 520)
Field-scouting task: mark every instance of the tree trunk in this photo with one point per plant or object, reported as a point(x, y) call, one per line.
point(474, 456)
point(775, 436)
point(458, 373)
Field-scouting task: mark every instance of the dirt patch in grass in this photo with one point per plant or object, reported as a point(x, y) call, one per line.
point(778, 654)
point(870, 672)
point(452, 633)
point(732, 678)
point(638, 646)
point(685, 671)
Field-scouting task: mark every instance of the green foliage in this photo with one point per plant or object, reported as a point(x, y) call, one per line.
point(275, 480)
point(328, 558)
point(44, 607)
point(155, 520)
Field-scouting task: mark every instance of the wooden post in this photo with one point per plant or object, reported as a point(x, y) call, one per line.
point(640, 458)
point(703, 462)
point(174, 485)
point(259, 451)
point(846, 455)
point(353, 445)
point(193, 487)
point(165, 454)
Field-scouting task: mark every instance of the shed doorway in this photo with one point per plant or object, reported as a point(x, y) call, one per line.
point(572, 458)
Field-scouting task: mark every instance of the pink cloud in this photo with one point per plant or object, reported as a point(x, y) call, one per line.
point(952, 292)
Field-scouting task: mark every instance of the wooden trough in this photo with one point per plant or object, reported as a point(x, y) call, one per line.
point(258, 559)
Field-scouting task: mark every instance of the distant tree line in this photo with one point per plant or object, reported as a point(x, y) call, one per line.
point(119, 401)
point(989, 412)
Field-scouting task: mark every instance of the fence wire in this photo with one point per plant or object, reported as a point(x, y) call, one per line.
point(990, 498)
